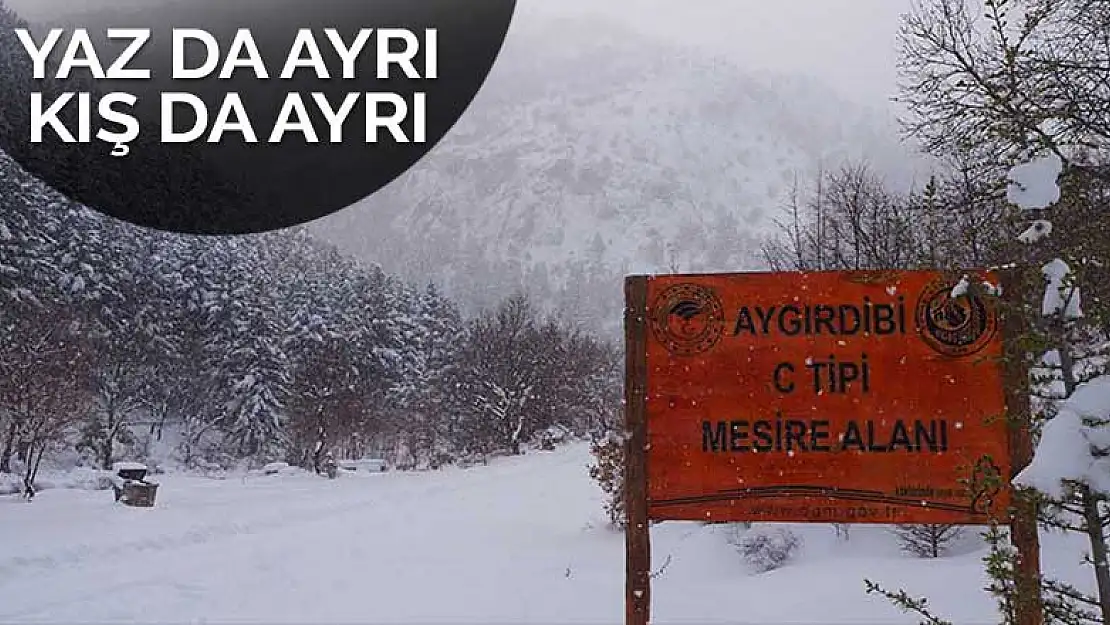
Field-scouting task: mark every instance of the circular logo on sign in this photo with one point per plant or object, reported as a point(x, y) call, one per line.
point(688, 319)
point(954, 326)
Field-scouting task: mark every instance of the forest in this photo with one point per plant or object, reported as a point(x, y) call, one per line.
point(262, 348)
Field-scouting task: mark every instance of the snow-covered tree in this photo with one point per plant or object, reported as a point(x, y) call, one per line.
point(433, 331)
point(929, 540)
point(502, 377)
point(1022, 83)
point(1068, 466)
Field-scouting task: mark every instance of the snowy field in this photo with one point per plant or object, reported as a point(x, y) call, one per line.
point(522, 540)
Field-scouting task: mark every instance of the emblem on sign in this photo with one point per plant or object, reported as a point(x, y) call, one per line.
point(954, 326)
point(688, 319)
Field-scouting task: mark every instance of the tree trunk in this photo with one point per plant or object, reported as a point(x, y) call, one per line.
point(29, 467)
point(1099, 553)
point(26, 449)
point(110, 435)
point(318, 456)
point(515, 436)
point(35, 452)
point(1067, 368)
point(9, 448)
point(38, 460)
point(33, 461)
point(106, 448)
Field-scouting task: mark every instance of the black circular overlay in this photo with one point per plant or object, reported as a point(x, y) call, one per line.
point(237, 187)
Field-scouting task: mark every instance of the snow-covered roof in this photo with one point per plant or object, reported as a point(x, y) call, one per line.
point(129, 466)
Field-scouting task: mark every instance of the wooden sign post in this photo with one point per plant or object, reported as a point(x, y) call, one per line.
point(822, 397)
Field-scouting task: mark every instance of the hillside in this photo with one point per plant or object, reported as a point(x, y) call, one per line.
point(594, 151)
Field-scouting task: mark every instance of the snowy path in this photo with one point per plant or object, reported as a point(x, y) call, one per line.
point(519, 541)
point(291, 548)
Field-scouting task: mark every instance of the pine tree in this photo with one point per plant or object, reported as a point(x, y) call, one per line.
point(927, 540)
point(1026, 91)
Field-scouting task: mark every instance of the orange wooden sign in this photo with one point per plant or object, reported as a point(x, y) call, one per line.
point(842, 397)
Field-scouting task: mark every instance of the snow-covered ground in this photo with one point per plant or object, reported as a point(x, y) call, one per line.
point(522, 540)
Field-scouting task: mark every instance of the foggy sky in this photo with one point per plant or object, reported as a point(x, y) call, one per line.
point(848, 43)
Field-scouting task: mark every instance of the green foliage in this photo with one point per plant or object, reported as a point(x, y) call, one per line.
point(911, 605)
point(1000, 566)
point(1066, 605)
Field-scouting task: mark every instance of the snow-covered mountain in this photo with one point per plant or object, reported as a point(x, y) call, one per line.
point(593, 152)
